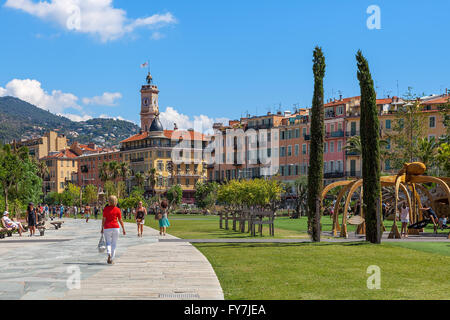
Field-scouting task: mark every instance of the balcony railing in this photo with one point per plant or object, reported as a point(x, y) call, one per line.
point(353, 174)
point(260, 126)
point(333, 175)
point(352, 153)
point(352, 133)
point(337, 134)
point(307, 137)
point(137, 160)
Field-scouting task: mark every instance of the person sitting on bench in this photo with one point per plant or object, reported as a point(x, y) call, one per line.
point(443, 223)
point(10, 224)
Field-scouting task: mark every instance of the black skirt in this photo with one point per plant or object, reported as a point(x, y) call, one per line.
point(32, 220)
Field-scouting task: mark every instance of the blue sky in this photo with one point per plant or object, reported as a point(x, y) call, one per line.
point(215, 59)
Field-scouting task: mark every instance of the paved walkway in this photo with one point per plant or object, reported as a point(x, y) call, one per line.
point(39, 267)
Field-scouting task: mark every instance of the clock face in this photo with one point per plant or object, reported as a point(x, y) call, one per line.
point(145, 101)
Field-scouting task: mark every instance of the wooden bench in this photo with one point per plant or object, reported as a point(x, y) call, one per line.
point(225, 217)
point(6, 232)
point(57, 224)
point(262, 218)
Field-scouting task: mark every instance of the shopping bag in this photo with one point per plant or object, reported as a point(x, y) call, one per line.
point(102, 244)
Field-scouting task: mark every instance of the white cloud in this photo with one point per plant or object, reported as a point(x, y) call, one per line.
point(107, 99)
point(31, 91)
point(157, 35)
point(97, 17)
point(201, 123)
point(76, 118)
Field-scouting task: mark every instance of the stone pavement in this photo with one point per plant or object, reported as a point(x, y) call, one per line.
point(39, 267)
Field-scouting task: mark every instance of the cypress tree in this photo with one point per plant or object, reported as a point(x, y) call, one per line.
point(370, 145)
point(315, 173)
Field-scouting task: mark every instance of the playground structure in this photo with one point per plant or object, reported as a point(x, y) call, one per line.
point(410, 181)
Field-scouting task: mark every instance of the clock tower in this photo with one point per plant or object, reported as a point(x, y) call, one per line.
point(149, 103)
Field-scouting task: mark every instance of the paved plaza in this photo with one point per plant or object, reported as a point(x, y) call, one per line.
point(145, 268)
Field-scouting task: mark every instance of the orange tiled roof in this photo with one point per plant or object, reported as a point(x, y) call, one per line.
point(340, 102)
point(440, 100)
point(63, 154)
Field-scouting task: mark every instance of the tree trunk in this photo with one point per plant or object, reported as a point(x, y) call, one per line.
point(6, 199)
point(370, 144)
point(315, 173)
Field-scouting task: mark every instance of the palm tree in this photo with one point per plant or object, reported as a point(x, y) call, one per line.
point(152, 179)
point(354, 145)
point(301, 190)
point(42, 173)
point(427, 151)
point(104, 172)
point(114, 170)
point(124, 171)
point(140, 179)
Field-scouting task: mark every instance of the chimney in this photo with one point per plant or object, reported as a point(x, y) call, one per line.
point(175, 127)
point(340, 97)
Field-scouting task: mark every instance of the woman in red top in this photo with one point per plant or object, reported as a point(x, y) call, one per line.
point(112, 216)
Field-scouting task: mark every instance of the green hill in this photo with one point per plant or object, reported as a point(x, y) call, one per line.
point(22, 120)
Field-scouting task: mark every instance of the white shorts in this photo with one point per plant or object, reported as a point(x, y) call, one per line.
point(405, 220)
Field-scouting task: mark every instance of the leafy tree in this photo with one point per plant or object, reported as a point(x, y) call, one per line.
point(315, 173)
point(71, 195)
point(445, 113)
point(250, 193)
point(205, 194)
point(408, 128)
point(53, 198)
point(175, 195)
point(110, 189)
point(370, 137)
point(443, 157)
point(19, 178)
point(90, 194)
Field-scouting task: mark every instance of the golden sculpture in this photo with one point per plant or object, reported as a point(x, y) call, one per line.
point(409, 180)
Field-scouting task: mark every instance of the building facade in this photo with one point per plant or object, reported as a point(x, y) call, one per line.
point(43, 146)
point(342, 122)
point(175, 156)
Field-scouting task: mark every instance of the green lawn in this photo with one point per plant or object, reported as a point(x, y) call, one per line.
point(327, 271)
point(409, 270)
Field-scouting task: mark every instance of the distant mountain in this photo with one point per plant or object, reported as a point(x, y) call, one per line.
point(22, 120)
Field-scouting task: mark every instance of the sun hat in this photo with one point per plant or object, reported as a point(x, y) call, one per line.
point(5, 213)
